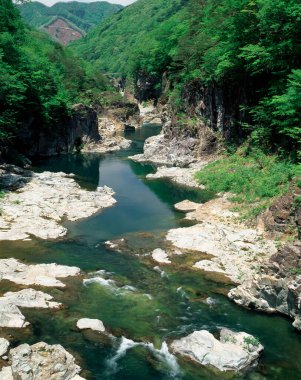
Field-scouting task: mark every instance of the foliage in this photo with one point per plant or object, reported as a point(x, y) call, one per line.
point(253, 178)
point(249, 44)
point(82, 15)
point(39, 80)
point(142, 36)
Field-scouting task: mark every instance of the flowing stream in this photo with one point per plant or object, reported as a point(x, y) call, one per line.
point(143, 307)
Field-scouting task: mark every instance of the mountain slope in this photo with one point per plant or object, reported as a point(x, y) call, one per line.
point(82, 15)
point(130, 37)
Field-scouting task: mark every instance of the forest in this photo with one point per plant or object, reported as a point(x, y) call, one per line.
point(247, 44)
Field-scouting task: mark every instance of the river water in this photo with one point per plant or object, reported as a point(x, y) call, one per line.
point(142, 307)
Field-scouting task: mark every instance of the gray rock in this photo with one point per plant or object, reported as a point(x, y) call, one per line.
point(4, 344)
point(42, 361)
point(39, 274)
point(30, 298)
point(91, 324)
point(233, 352)
point(11, 316)
point(160, 256)
point(39, 207)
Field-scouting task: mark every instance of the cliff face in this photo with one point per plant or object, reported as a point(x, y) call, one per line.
point(78, 129)
point(219, 107)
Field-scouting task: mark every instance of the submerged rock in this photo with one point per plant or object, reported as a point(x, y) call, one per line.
point(92, 324)
point(233, 352)
point(39, 274)
point(39, 207)
point(42, 361)
point(160, 256)
point(186, 206)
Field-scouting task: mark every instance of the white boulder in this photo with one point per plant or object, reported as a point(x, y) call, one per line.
point(233, 352)
point(92, 324)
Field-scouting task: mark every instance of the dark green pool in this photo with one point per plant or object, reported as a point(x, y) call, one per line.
point(142, 307)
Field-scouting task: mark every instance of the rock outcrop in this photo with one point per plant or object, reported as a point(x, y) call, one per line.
point(40, 274)
point(111, 135)
point(10, 314)
point(233, 352)
point(235, 249)
point(277, 286)
point(180, 143)
point(78, 129)
point(39, 207)
point(42, 361)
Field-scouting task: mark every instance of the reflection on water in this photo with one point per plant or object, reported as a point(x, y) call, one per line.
point(142, 307)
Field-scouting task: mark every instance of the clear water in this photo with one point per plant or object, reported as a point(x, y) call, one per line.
point(142, 307)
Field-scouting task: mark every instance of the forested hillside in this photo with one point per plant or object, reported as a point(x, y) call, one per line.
point(39, 80)
point(246, 53)
point(143, 34)
point(82, 15)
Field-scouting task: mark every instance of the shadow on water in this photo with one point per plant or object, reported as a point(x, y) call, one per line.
point(133, 299)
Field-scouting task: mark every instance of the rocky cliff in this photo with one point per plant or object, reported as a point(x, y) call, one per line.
point(78, 129)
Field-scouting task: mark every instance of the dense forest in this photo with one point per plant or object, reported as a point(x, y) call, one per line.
point(240, 44)
point(39, 80)
point(82, 15)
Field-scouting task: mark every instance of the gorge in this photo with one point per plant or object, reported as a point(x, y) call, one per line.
point(150, 193)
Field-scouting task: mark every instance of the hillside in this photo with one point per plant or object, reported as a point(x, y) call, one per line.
point(234, 64)
point(40, 80)
point(122, 42)
point(75, 16)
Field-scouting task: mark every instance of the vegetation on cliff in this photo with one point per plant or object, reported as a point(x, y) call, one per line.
point(250, 45)
point(39, 80)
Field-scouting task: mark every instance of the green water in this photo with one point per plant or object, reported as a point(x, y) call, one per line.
point(135, 301)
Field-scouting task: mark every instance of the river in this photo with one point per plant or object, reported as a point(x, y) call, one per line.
point(141, 306)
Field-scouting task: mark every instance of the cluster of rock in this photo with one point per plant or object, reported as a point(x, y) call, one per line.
point(178, 145)
point(42, 275)
point(40, 362)
point(149, 114)
point(111, 136)
point(232, 352)
point(78, 129)
point(232, 249)
point(38, 207)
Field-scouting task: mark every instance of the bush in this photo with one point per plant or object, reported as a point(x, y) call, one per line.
point(253, 179)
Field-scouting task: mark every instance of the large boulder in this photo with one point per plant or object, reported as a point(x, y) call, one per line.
point(42, 361)
point(233, 352)
point(90, 324)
